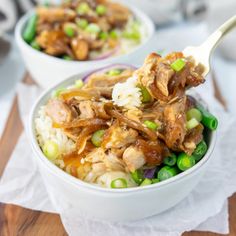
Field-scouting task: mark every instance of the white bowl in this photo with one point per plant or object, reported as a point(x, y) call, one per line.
point(68, 192)
point(48, 70)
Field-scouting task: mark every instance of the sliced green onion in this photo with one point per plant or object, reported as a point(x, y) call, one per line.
point(154, 181)
point(200, 151)
point(93, 28)
point(170, 160)
point(82, 23)
point(178, 65)
point(114, 72)
point(137, 176)
point(79, 83)
point(51, 150)
point(184, 161)
point(113, 34)
point(132, 35)
point(151, 124)
point(103, 35)
point(30, 30)
point(119, 183)
point(97, 137)
point(56, 93)
point(35, 45)
point(83, 8)
point(194, 113)
point(101, 10)
point(67, 58)
point(208, 119)
point(146, 182)
point(69, 31)
point(167, 172)
point(146, 97)
point(192, 123)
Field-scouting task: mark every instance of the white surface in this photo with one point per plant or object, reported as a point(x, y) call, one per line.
point(47, 70)
point(11, 72)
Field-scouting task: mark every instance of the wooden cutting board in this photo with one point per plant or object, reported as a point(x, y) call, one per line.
point(16, 220)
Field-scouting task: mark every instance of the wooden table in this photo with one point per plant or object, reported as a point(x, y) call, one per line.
point(16, 220)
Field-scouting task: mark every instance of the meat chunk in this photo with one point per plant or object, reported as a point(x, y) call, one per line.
point(58, 111)
point(192, 138)
point(80, 48)
point(133, 158)
point(54, 42)
point(174, 119)
point(86, 109)
point(163, 75)
point(55, 14)
point(117, 137)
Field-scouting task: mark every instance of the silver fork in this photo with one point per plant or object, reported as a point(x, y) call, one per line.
point(202, 53)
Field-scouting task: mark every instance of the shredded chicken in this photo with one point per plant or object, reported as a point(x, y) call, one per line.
point(113, 141)
point(133, 158)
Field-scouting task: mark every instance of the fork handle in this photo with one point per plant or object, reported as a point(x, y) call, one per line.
point(214, 39)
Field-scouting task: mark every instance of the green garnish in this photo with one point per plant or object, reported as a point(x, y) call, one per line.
point(178, 65)
point(101, 10)
point(82, 23)
point(79, 83)
point(184, 161)
point(151, 124)
point(51, 150)
point(83, 8)
point(119, 183)
point(97, 137)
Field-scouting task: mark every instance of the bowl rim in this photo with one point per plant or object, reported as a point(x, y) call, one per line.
point(63, 176)
point(137, 12)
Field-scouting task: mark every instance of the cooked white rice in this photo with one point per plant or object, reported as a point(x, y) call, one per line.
point(46, 132)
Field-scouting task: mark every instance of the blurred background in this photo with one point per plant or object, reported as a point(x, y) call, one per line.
point(179, 23)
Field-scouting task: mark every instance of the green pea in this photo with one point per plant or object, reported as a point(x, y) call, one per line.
point(97, 137)
point(101, 10)
point(113, 34)
point(103, 35)
point(93, 28)
point(83, 8)
point(69, 31)
point(82, 23)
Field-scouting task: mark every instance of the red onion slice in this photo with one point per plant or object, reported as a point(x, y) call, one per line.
point(149, 173)
point(107, 68)
point(107, 54)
